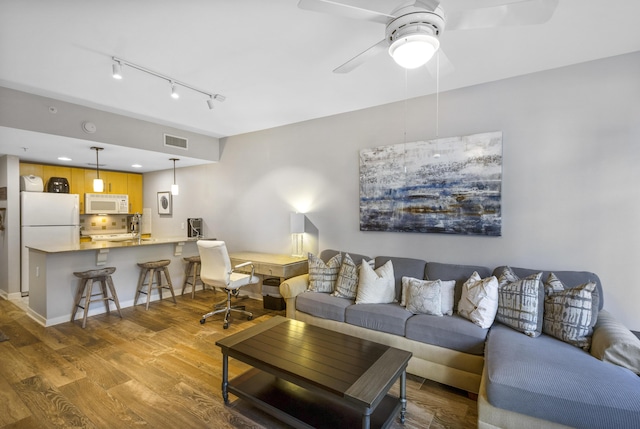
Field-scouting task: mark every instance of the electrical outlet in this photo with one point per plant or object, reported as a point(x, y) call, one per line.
point(37, 271)
point(182, 225)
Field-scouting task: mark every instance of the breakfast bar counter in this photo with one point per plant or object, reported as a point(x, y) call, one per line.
point(52, 285)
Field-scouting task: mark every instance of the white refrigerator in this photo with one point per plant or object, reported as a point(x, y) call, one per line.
point(47, 219)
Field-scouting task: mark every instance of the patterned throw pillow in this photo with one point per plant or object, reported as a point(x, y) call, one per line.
point(479, 301)
point(376, 287)
point(520, 302)
point(447, 293)
point(322, 277)
point(570, 314)
point(423, 297)
point(347, 282)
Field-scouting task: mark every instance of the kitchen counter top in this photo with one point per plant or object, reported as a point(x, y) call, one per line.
point(98, 245)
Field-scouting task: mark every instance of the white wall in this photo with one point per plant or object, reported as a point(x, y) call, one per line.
point(10, 237)
point(571, 147)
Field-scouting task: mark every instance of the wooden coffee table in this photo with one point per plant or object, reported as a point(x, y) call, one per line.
point(311, 377)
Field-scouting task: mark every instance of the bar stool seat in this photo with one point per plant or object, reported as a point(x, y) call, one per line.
point(158, 268)
point(85, 291)
point(192, 275)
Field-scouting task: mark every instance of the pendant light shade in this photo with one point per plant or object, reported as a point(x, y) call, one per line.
point(174, 188)
point(98, 184)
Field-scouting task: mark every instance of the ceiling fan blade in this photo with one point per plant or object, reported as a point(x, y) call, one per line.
point(345, 10)
point(527, 12)
point(362, 57)
point(440, 64)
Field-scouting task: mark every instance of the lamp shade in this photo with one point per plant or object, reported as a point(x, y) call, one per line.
point(98, 185)
point(298, 223)
point(175, 189)
point(414, 50)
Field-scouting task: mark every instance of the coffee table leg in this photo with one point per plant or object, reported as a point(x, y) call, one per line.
point(366, 419)
point(225, 377)
point(403, 395)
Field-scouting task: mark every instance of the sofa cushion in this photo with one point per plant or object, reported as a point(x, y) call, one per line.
point(613, 342)
point(479, 300)
point(459, 273)
point(323, 305)
point(323, 276)
point(570, 314)
point(569, 278)
point(521, 302)
point(403, 267)
point(375, 286)
point(389, 318)
point(452, 332)
point(552, 380)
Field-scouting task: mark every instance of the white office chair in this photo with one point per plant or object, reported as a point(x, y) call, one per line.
point(216, 271)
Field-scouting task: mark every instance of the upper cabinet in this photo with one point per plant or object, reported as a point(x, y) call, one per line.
point(81, 181)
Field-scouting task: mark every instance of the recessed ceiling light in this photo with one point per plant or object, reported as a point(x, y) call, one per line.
point(136, 165)
point(64, 158)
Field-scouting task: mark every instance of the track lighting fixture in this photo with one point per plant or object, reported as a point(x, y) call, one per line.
point(174, 187)
point(98, 184)
point(117, 70)
point(117, 74)
point(174, 93)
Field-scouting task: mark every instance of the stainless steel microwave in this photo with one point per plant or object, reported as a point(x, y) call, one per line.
point(106, 204)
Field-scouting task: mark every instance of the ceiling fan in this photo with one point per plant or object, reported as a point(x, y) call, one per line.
point(413, 29)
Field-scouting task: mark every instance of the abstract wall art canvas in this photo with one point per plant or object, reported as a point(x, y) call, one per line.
point(448, 185)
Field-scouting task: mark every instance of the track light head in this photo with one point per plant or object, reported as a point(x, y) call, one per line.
point(117, 70)
point(210, 103)
point(174, 92)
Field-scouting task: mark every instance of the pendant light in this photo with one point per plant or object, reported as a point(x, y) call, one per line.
point(98, 184)
point(174, 187)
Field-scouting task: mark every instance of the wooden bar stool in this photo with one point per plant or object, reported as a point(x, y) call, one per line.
point(85, 291)
point(151, 268)
point(192, 274)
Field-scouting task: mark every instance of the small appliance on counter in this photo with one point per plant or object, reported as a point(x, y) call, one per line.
point(194, 227)
point(58, 185)
point(135, 223)
point(31, 183)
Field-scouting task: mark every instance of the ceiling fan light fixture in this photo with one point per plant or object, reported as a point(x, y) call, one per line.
point(414, 50)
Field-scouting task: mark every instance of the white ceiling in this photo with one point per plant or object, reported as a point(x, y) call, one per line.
point(272, 60)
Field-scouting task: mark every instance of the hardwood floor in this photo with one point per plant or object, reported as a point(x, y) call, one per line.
point(155, 369)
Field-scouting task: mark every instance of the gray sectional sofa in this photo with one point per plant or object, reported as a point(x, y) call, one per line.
point(539, 382)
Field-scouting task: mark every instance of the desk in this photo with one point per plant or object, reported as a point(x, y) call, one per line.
point(269, 264)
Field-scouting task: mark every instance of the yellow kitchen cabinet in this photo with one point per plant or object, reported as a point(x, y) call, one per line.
point(116, 183)
point(28, 169)
point(76, 185)
point(134, 184)
point(81, 181)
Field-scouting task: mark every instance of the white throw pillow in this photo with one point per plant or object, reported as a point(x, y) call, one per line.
point(447, 294)
point(423, 297)
point(479, 300)
point(376, 287)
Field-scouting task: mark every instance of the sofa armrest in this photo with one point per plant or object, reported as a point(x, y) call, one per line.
point(613, 342)
point(290, 289)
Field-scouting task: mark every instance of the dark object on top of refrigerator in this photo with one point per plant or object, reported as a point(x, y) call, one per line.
point(59, 185)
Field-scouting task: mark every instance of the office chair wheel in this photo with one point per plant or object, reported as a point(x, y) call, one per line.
point(250, 317)
point(202, 321)
point(225, 325)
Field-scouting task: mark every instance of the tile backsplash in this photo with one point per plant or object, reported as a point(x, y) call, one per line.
point(103, 223)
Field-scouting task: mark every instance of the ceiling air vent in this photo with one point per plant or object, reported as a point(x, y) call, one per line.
point(175, 141)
